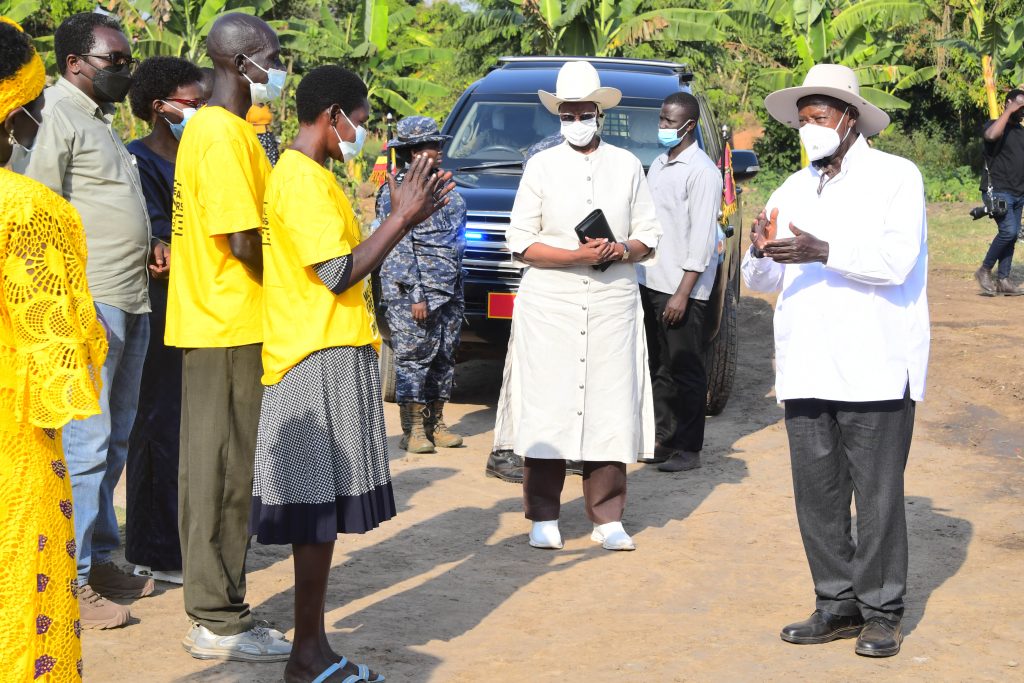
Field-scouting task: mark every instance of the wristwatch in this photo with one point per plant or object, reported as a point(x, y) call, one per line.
point(625, 251)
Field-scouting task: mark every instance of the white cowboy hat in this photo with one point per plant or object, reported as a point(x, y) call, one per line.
point(834, 80)
point(578, 82)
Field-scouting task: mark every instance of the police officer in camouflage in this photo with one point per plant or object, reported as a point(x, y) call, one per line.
point(421, 289)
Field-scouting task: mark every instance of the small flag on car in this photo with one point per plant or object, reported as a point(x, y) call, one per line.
point(728, 186)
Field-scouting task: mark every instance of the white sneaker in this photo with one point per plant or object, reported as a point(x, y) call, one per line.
point(546, 535)
point(612, 536)
point(255, 645)
point(169, 577)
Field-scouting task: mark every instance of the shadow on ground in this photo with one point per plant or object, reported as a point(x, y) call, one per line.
point(492, 570)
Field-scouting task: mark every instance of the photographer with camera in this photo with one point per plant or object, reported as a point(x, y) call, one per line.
point(1002, 191)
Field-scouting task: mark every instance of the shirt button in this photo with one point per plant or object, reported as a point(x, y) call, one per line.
point(588, 177)
point(581, 386)
point(579, 412)
point(583, 360)
point(584, 308)
point(583, 331)
point(589, 202)
point(585, 281)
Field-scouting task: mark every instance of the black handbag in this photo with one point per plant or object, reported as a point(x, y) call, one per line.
point(595, 226)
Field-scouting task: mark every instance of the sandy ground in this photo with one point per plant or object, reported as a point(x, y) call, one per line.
point(450, 591)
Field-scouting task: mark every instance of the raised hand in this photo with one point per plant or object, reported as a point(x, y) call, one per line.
point(764, 230)
point(803, 247)
point(421, 192)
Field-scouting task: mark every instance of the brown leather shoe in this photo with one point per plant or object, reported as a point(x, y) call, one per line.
point(110, 580)
point(984, 277)
point(1005, 287)
point(680, 462)
point(98, 612)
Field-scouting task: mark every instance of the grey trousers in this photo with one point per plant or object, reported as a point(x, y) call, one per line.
point(840, 450)
point(220, 412)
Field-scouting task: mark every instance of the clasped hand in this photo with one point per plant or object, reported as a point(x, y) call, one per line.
point(803, 247)
point(594, 252)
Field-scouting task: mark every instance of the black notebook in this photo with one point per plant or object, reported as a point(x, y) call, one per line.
point(595, 226)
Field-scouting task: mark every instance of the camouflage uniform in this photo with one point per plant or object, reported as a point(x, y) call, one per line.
point(425, 266)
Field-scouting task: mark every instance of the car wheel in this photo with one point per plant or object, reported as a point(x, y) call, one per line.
point(387, 371)
point(721, 357)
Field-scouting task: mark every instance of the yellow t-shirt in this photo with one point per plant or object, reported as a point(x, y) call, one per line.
point(219, 179)
point(308, 220)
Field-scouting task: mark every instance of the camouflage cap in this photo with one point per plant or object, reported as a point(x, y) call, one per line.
point(416, 130)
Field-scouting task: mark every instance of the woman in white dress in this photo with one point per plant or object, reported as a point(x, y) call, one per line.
point(577, 386)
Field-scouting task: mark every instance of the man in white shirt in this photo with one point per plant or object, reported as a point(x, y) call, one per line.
point(687, 190)
point(844, 242)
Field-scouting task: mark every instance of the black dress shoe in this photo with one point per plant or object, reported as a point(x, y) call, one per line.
point(822, 627)
point(505, 465)
point(574, 467)
point(880, 637)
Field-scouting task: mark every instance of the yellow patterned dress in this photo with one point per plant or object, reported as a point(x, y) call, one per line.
point(51, 349)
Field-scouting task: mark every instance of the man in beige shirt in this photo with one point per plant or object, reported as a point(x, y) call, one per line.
point(78, 154)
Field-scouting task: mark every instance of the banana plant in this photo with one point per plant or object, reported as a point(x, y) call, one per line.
point(178, 28)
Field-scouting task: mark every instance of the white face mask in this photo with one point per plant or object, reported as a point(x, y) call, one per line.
point(14, 141)
point(269, 91)
point(821, 141)
point(579, 133)
point(350, 150)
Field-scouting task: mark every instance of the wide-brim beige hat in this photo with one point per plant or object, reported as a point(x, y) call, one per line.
point(834, 80)
point(578, 81)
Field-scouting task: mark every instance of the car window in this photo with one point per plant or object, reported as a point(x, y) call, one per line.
point(496, 131)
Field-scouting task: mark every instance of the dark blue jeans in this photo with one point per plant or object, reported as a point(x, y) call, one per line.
point(1002, 246)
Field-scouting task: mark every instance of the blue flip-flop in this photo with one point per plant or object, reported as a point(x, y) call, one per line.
point(362, 675)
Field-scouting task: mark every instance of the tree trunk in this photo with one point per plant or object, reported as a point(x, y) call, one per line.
point(988, 73)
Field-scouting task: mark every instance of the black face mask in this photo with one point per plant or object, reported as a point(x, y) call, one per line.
point(111, 86)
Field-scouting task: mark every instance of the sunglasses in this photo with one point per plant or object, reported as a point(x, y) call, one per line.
point(569, 118)
point(118, 60)
point(195, 104)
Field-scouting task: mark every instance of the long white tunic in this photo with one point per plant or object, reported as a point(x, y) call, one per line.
point(576, 383)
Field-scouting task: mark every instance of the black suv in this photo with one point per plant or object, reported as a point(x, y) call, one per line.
point(492, 126)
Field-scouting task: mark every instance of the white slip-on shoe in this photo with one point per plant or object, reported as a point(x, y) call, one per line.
point(612, 536)
point(254, 645)
point(157, 575)
point(546, 535)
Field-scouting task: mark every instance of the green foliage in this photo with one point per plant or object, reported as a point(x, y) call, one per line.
point(948, 175)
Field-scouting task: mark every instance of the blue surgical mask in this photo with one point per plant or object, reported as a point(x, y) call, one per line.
point(350, 150)
point(670, 137)
point(269, 91)
point(178, 128)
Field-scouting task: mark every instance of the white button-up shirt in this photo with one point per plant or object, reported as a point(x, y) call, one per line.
point(687, 194)
point(855, 328)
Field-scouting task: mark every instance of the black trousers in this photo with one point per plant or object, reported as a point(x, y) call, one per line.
point(839, 451)
point(678, 374)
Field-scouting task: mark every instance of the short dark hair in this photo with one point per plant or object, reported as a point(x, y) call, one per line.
point(76, 35)
point(829, 101)
point(327, 85)
point(15, 50)
point(156, 78)
point(687, 101)
point(1013, 93)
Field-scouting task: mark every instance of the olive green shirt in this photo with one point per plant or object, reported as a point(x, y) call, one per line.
point(78, 155)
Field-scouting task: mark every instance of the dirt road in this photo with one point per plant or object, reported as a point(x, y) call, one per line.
point(450, 591)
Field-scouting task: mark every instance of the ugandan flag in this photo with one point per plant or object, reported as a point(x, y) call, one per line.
point(379, 175)
point(729, 204)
